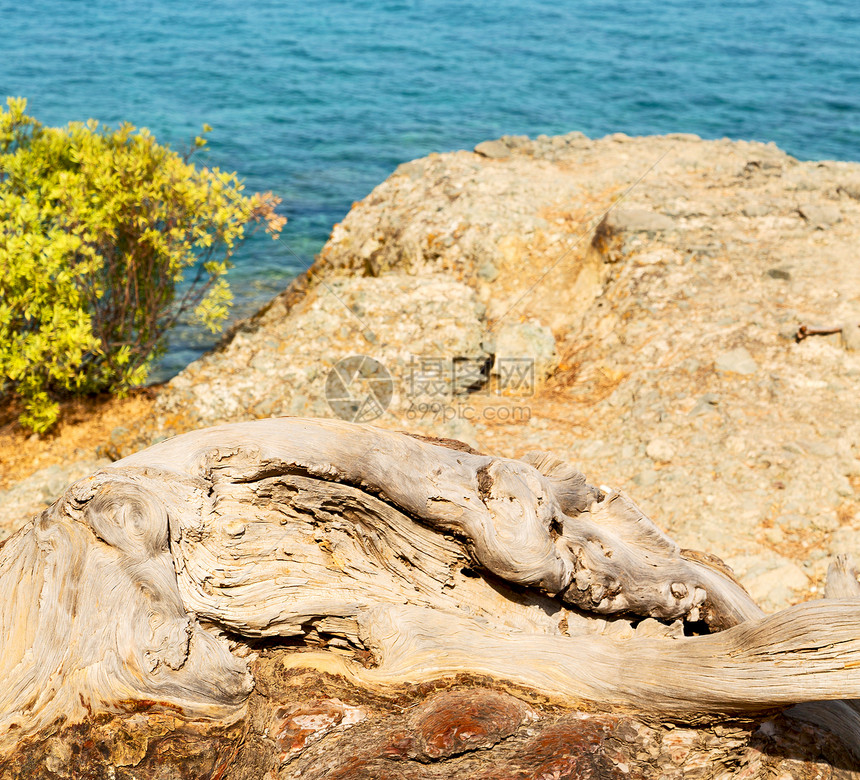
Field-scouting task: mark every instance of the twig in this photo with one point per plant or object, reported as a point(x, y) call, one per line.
point(810, 330)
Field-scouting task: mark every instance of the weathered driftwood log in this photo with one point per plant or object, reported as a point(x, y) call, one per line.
point(146, 586)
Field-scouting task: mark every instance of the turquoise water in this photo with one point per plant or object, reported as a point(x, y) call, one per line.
point(320, 102)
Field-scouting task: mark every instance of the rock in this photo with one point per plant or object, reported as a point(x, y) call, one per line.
point(736, 361)
point(849, 187)
point(634, 220)
point(488, 271)
point(426, 332)
point(820, 449)
point(702, 262)
point(779, 273)
point(448, 235)
point(413, 169)
point(851, 335)
point(454, 722)
point(660, 450)
point(524, 345)
point(756, 210)
point(624, 230)
point(658, 256)
point(495, 150)
point(820, 215)
point(515, 141)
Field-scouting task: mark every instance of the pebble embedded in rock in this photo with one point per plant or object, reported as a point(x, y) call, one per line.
point(779, 273)
point(635, 220)
point(495, 150)
point(660, 450)
point(756, 210)
point(736, 361)
point(820, 215)
point(488, 271)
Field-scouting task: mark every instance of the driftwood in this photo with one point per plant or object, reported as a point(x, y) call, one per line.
point(142, 600)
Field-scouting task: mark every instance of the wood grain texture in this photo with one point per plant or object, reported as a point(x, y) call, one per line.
point(143, 584)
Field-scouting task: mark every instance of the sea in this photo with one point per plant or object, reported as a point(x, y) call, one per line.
point(320, 101)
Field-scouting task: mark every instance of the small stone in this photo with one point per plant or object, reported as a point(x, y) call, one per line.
point(658, 257)
point(820, 448)
point(778, 273)
point(660, 450)
point(634, 220)
point(494, 150)
point(515, 141)
point(774, 535)
point(820, 215)
point(488, 271)
point(788, 332)
point(264, 408)
point(736, 361)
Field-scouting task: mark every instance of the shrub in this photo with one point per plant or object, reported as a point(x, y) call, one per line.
point(98, 228)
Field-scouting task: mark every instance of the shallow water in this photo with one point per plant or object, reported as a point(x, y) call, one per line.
point(321, 102)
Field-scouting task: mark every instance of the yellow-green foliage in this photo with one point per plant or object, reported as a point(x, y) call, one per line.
point(97, 228)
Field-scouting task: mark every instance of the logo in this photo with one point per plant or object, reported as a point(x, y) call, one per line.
point(359, 389)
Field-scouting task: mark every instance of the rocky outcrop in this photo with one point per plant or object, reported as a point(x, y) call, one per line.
point(656, 284)
point(631, 304)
